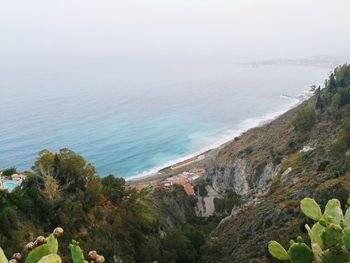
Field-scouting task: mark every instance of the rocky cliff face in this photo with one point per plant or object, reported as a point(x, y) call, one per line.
point(249, 164)
point(233, 176)
point(271, 168)
point(176, 207)
point(243, 178)
point(265, 178)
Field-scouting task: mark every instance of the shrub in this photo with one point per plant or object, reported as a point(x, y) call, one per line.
point(323, 165)
point(330, 236)
point(304, 119)
point(9, 171)
point(339, 145)
point(226, 204)
point(342, 75)
point(201, 189)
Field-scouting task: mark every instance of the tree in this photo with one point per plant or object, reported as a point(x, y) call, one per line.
point(344, 95)
point(71, 215)
point(8, 220)
point(342, 142)
point(51, 188)
point(336, 102)
point(69, 169)
point(44, 163)
point(304, 119)
point(332, 85)
point(178, 248)
point(320, 105)
point(93, 194)
point(8, 172)
point(196, 237)
point(342, 75)
point(339, 146)
point(113, 188)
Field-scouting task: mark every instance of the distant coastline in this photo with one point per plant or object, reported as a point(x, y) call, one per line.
point(318, 61)
point(133, 133)
point(293, 101)
point(177, 166)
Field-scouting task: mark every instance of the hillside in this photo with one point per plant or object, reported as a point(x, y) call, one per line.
point(260, 178)
point(123, 224)
point(303, 153)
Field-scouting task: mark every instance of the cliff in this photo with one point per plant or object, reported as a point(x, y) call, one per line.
point(174, 206)
point(303, 153)
point(260, 176)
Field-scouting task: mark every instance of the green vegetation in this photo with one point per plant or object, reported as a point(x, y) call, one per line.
point(335, 97)
point(342, 141)
point(305, 119)
point(159, 224)
point(8, 172)
point(342, 74)
point(101, 213)
point(44, 250)
point(200, 189)
point(225, 204)
point(333, 102)
point(329, 236)
point(313, 150)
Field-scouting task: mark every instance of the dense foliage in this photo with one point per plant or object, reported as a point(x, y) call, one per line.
point(329, 236)
point(226, 203)
point(331, 103)
point(45, 249)
point(8, 172)
point(328, 102)
point(101, 213)
point(144, 226)
point(306, 151)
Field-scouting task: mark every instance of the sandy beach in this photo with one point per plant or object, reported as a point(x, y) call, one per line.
point(199, 161)
point(203, 159)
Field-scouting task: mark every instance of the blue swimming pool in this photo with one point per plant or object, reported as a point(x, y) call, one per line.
point(9, 185)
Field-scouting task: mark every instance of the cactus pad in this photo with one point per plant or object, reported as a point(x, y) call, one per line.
point(53, 258)
point(278, 251)
point(311, 209)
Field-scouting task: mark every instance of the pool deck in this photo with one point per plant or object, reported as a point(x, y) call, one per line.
point(17, 180)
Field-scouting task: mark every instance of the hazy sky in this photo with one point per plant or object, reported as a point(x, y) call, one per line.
point(242, 28)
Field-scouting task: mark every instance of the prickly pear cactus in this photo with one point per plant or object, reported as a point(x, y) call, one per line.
point(44, 250)
point(3, 258)
point(76, 252)
point(299, 252)
point(53, 258)
point(47, 248)
point(330, 236)
point(278, 251)
point(311, 209)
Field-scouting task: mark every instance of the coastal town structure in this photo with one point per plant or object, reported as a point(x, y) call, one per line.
point(10, 183)
point(186, 179)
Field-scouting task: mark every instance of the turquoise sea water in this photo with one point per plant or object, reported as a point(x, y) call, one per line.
point(129, 116)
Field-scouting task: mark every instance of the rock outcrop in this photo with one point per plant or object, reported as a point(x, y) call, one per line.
point(243, 178)
point(175, 206)
point(232, 177)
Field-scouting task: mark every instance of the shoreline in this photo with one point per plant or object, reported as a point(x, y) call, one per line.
point(179, 165)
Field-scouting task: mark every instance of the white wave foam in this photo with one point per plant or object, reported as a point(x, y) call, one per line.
point(230, 134)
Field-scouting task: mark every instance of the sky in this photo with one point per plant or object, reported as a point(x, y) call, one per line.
point(239, 28)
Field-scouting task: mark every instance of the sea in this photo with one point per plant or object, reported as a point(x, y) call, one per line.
point(132, 115)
